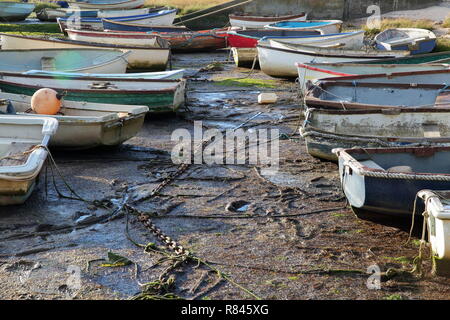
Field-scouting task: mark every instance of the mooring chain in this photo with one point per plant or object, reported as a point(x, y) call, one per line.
point(146, 219)
point(165, 239)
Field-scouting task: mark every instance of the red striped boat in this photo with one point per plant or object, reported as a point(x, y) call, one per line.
point(250, 38)
point(190, 41)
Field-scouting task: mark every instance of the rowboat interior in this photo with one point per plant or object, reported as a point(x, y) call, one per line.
point(401, 124)
point(55, 59)
point(77, 110)
point(427, 160)
point(257, 33)
point(21, 159)
point(91, 83)
point(343, 94)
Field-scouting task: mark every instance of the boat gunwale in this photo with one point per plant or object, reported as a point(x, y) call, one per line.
point(56, 77)
point(327, 55)
point(85, 43)
point(304, 66)
point(137, 17)
point(387, 75)
point(350, 161)
point(310, 129)
point(122, 56)
point(265, 19)
point(406, 58)
point(100, 4)
point(310, 99)
point(326, 23)
point(103, 91)
point(139, 25)
point(431, 36)
point(378, 111)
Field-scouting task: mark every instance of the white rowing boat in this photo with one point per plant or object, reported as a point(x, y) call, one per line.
point(279, 59)
point(77, 60)
point(85, 125)
point(23, 142)
point(140, 57)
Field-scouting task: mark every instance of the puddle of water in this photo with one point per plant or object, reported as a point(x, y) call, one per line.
point(220, 124)
point(285, 179)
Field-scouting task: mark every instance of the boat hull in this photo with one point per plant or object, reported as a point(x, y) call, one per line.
point(250, 38)
point(278, 62)
point(389, 195)
point(325, 130)
point(326, 27)
point(21, 158)
point(350, 95)
point(256, 22)
point(146, 58)
point(311, 72)
point(82, 60)
point(421, 48)
point(195, 41)
point(15, 192)
point(418, 41)
point(165, 95)
point(50, 14)
point(114, 38)
point(132, 4)
point(87, 125)
point(134, 27)
point(245, 57)
point(440, 76)
point(162, 18)
point(438, 225)
point(167, 75)
point(15, 11)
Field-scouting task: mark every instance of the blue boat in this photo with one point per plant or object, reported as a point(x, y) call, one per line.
point(51, 14)
point(325, 26)
point(418, 41)
point(161, 17)
point(384, 182)
point(115, 25)
point(15, 11)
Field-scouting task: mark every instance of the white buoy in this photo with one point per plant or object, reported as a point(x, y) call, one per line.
point(266, 98)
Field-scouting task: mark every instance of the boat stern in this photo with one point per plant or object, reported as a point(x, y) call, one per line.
point(437, 214)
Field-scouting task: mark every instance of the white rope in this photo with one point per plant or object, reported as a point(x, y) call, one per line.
point(356, 166)
point(307, 132)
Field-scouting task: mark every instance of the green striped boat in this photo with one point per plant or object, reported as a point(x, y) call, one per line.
point(159, 95)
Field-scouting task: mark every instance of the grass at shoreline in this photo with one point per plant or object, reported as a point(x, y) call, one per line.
point(399, 23)
point(185, 6)
point(30, 28)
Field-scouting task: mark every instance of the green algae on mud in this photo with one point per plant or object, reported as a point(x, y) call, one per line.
point(442, 44)
point(30, 29)
point(246, 82)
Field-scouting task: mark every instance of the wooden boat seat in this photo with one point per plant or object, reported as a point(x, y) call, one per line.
point(371, 164)
point(102, 85)
point(395, 169)
point(48, 63)
point(17, 154)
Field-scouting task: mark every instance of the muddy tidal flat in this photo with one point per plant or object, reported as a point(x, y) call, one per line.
point(288, 235)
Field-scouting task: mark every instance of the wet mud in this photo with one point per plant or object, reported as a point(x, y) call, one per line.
point(289, 235)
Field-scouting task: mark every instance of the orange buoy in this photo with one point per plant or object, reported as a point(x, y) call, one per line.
point(46, 101)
